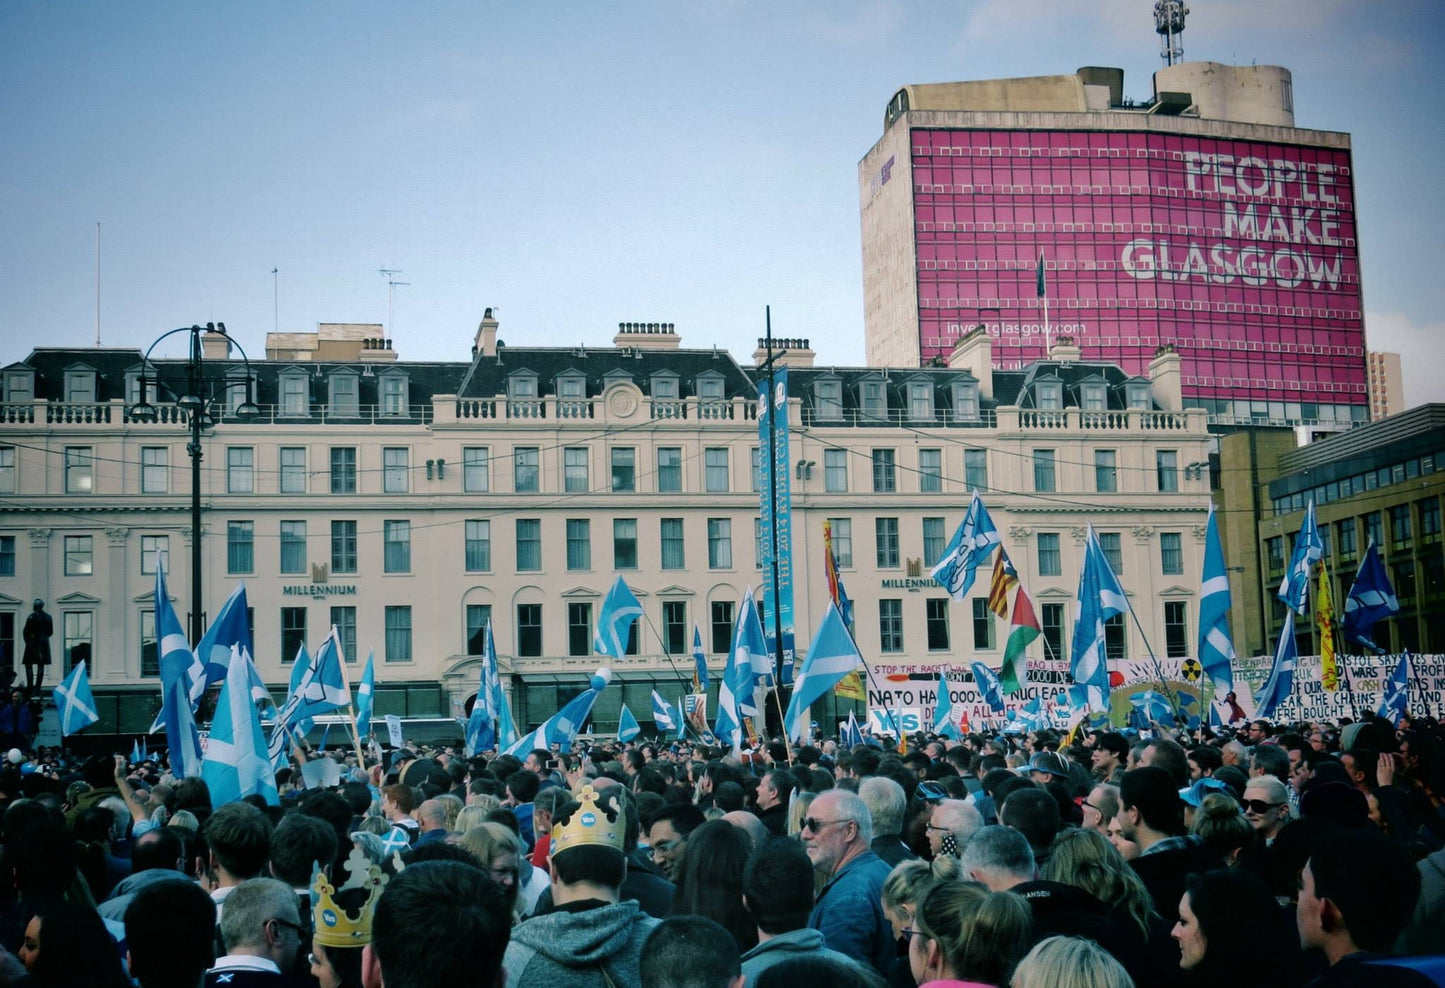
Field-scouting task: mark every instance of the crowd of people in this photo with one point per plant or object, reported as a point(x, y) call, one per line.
point(1288, 854)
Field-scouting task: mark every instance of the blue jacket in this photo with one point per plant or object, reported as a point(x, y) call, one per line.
point(849, 913)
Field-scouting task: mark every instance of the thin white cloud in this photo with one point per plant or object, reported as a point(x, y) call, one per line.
point(863, 24)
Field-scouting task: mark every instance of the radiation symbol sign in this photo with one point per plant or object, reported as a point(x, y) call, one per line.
point(1192, 670)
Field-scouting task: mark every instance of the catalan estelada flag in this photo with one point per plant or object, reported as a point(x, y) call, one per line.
point(1005, 578)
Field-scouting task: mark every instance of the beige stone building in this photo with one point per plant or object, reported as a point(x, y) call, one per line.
point(409, 503)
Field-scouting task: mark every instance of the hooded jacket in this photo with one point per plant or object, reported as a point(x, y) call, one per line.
point(786, 946)
point(573, 944)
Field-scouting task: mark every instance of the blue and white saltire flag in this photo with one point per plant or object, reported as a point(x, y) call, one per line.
point(237, 763)
point(664, 714)
point(1280, 684)
point(620, 611)
point(1100, 598)
point(989, 686)
point(627, 725)
point(213, 652)
point(1396, 702)
point(1033, 716)
point(852, 735)
point(972, 544)
point(563, 726)
point(135, 758)
point(177, 661)
point(1152, 706)
point(182, 737)
point(831, 656)
point(1371, 599)
point(1308, 548)
point(943, 712)
point(1216, 647)
point(321, 689)
point(699, 659)
point(749, 652)
point(299, 665)
point(75, 701)
point(365, 693)
point(499, 711)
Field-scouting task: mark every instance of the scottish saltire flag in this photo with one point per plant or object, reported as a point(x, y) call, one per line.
point(749, 653)
point(1308, 548)
point(970, 546)
point(627, 726)
point(1100, 598)
point(664, 714)
point(365, 695)
point(1325, 624)
point(135, 758)
point(943, 712)
point(1023, 630)
point(177, 661)
point(620, 611)
point(1396, 701)
point(1216, 647)
point(213, 652)
point(989, 686)
point(182, 737)
point(699, 660)
point(75, 702)
point(237, 763)
point(1005, 578)
point(499, 710)
point(831, 656)
point(299, 665)
point(852, 735)
point(1150, 706)
point(563, 726)
point(1033, 715)
point(1280, 684)
point(321, 689)
point(1371, 599)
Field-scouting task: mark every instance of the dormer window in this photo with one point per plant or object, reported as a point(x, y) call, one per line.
point(828, 399)
point(132, 385)
point(1136, 394)
point(873, 400)
point(345, 393)
point(665, 387)
point(392, 390)
point(237, 392)
point(1049, 395)
point(571, 386)
point(965, 401)
point(920, 400)
point(295, 388)
point(1094, 396)
point(710, 387)
point(19, 385)
point(80, 385)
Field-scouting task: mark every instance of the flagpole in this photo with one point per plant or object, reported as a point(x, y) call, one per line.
point(350, 711)
point(666, 654)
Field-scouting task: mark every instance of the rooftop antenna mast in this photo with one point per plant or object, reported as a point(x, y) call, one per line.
point(1169, 23)
point(391, 285)
point(275, 300)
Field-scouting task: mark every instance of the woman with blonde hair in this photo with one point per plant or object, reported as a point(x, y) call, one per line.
point(797, 810)
point(1087, 860)
point(965, 935)
point(902, 889)
point(474, 814)
point(1221, 824)
point(1069, 962)
point(500, 853)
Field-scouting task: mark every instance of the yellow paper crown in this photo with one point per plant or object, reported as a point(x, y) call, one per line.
point(334, 926)
point(590, 824)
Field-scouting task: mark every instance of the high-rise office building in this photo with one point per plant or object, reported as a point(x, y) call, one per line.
point(1387, 385)
point(1202, 218)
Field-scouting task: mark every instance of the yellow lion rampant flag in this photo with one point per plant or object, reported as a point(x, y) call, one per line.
point(1325, 622)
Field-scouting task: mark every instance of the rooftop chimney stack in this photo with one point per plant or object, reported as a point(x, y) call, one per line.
point(486, 342)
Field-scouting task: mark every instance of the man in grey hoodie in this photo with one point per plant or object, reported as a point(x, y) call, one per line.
point(778, 893)
point(590, 938)
point(158, 856)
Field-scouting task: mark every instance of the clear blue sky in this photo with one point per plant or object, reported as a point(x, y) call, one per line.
point(578, 165)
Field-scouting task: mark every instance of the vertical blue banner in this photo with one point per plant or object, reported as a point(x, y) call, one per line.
point(773, 423)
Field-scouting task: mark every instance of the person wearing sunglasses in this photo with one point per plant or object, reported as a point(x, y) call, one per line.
point(849, 910)
point(1266, 806)
point(261, 928)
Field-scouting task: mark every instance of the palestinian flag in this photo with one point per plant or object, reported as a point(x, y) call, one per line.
point(1024, 629)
